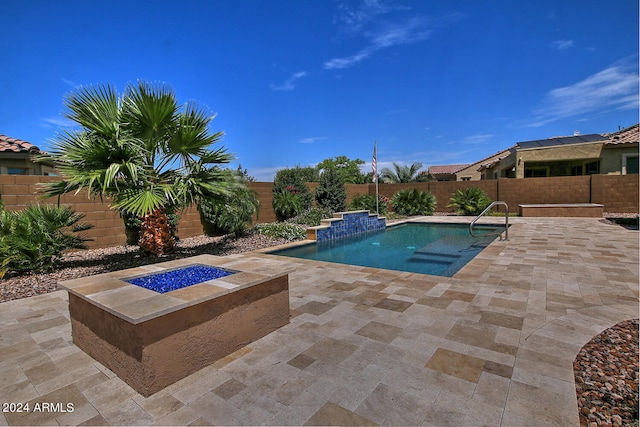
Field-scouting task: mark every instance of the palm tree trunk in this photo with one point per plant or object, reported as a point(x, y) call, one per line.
point(155, 233)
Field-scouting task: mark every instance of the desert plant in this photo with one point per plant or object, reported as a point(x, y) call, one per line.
point(142, 149)
point(368, 202)
point(470, 201)
point(413, 202)
point(331, 192)
point(229, 214)
point(34, 239)
point(282, 230)
point(286, 204)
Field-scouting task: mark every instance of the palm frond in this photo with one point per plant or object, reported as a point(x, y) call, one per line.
point(95, 108)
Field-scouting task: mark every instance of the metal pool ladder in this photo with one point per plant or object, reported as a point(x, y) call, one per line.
point(506, 222)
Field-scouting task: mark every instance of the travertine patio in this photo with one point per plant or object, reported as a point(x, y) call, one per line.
point(492, 346)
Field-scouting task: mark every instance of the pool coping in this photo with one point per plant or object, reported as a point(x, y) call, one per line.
point(464, 272)
point(136, 304)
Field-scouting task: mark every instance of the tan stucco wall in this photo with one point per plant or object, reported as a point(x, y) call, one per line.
point(611, 161)
point(154, 354)
point(590, 151)
point(31, 168)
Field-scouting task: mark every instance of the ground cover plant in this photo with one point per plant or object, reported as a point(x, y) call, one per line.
point(312, 217)
point(282, 230)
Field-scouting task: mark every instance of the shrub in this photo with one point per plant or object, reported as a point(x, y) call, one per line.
point(286, 205)
point(229, 214)
point(331, 192)
point(294, 181)
point(368, 202)
point(282, 230)
point(470, 201)
point(413, 202)
point(33, 239)
point(312, 217)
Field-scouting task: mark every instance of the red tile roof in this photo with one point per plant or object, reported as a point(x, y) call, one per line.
point(625, 136)
point(8, 144)
point(446, 169)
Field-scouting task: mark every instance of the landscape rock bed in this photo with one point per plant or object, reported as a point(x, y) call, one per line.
point(606, 374)
point(96, 261)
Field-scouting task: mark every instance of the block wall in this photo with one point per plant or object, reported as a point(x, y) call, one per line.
point(560, 189)
point(618, 193)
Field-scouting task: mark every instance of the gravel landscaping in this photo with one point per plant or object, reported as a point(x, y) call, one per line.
point(96, 261)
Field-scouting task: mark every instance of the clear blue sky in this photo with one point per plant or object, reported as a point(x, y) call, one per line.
point(297, 81)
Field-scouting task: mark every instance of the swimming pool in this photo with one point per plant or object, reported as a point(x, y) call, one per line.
point(437, 249)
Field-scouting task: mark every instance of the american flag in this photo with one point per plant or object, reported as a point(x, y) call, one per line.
point(374, 165)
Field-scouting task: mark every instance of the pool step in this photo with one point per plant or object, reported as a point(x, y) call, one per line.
point(434, 257)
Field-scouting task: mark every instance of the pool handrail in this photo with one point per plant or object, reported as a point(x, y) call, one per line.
point(506, 223)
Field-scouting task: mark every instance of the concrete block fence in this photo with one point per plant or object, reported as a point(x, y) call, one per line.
point(618, 193)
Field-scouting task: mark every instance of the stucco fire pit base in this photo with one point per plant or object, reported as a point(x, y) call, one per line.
point(151, 340)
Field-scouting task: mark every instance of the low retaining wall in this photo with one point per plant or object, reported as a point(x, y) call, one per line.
point(583, 210)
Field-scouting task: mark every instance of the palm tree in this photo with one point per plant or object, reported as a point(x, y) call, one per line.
point(150, 155)
point(402, 174)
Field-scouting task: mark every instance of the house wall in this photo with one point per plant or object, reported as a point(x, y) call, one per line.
point(15, 160)
point(472, 171)
point(611, 161)
point(556, 153)
point(618, 193)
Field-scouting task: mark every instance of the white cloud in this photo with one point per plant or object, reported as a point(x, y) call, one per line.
point(562, 44)
point(614, 88)
point(312, 140)
point(290, 83)
point(365, 21)
point(478, 139)
point(353, 19)
point(57, 121)
point(409, 31)
point(69, 83)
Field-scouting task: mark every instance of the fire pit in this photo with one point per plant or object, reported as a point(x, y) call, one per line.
point(157, 324)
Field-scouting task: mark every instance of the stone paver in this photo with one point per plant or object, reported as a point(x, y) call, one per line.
point(493, 345)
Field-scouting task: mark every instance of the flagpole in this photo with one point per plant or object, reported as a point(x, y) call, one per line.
point(375, 173)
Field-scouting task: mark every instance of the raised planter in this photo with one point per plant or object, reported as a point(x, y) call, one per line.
point(151, 340)
point(590, 210)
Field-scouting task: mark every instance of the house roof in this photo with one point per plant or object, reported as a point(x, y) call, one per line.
point(14, 145)
point(446, 169)
point(562, 140)
point(502, 155)
point(629, 135)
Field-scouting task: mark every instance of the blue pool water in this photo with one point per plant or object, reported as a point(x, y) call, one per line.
point(180, 278)
point(437, 249)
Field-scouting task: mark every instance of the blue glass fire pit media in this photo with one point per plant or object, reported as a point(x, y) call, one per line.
point(177, 279)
